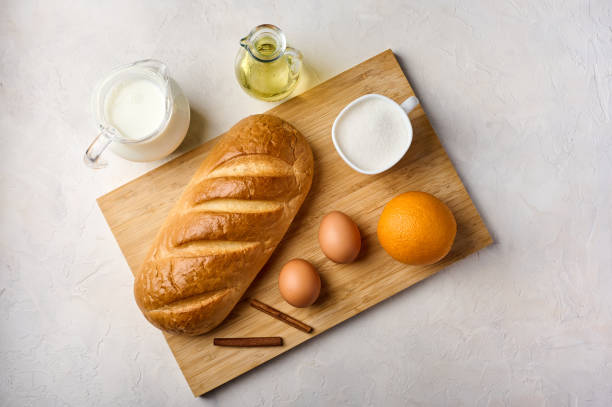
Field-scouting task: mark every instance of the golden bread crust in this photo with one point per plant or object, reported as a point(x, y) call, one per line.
point(226, 224)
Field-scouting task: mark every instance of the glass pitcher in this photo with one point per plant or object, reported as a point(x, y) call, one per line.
point(149, 134)
point(266, 68)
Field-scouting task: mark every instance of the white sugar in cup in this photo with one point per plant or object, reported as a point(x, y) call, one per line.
point(373, 132)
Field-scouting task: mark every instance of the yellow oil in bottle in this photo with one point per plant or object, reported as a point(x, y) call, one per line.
point(265, 71)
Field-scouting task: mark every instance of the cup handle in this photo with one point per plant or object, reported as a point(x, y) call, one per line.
point(409, 104)
point(92, 154)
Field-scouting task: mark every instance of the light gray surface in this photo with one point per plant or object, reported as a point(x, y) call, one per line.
point(520, 93)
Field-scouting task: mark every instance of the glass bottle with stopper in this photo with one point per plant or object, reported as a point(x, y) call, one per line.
point(266, 68)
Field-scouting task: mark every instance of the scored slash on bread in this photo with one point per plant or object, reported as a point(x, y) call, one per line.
point(226, 224)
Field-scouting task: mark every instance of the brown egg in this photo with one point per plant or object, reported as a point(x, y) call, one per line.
point(299, 283)
point(339, 237)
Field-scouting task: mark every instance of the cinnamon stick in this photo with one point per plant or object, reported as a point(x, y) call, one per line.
point(249, 342)
point(281, 316)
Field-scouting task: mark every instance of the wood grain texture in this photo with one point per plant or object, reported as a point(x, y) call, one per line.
point(137, 209)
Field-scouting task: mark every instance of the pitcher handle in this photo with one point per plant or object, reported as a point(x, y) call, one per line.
point(92, 154)
point(409, 104)
point(296, 65)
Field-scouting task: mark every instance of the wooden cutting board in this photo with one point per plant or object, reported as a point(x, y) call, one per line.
point(136, 210)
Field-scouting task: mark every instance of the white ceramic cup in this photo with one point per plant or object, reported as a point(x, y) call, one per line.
point(402, 109)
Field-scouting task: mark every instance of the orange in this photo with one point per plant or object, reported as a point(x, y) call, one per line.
point(416, 228)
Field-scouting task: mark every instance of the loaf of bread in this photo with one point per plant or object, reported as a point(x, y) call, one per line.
point(224, 227)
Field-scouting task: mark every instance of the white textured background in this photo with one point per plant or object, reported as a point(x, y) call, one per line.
point(520, 93)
